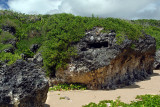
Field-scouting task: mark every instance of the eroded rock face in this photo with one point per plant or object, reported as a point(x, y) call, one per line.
point(103, 64)
point(22, 85)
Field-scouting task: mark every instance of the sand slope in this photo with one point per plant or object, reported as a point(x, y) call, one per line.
point(127, 94)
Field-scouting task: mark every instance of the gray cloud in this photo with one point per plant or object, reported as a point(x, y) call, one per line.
point(128, 9)
point(150, 11)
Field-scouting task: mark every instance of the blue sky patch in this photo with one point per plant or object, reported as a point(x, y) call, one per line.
point(3, 4)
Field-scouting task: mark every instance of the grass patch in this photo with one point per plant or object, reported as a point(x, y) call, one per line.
point(62, 98)
point(67, 87)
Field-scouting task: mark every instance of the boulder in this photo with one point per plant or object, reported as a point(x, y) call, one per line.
point(157, 60)
point(101, 63)
point(23, 85)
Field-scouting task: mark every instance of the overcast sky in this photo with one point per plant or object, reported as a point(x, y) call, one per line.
point(127, 9)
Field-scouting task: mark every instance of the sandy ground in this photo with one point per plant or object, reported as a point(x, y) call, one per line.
point(78, 98)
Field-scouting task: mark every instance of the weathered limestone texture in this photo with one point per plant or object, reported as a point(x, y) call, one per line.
point(22, 85)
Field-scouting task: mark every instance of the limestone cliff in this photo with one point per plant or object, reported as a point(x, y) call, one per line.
point(103, 64)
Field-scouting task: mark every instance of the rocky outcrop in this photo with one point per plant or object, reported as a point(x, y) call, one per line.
point(22, 85)
point(103, 64)
point(157, 60)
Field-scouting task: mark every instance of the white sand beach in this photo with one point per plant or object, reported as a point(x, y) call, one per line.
point(78, 98)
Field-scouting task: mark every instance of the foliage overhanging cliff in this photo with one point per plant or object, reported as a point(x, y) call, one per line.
point(56, 33)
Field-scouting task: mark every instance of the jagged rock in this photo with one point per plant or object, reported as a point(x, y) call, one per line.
point(103, 64)
point(157, 60)
point(37, 58)
point(34, 47)
point(22, 85)
point(23, 56)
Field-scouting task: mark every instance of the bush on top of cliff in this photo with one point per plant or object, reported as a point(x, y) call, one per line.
point(55, 33)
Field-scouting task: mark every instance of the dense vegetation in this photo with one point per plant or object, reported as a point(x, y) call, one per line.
point(143, 101)
point(56, 33)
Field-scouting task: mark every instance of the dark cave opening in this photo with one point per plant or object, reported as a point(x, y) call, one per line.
point(98, 45)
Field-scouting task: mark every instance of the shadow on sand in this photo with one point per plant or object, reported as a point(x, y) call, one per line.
point(148, 78)
point(46, 105)
point(132, 86)
point(152, 75)
point(155, 74)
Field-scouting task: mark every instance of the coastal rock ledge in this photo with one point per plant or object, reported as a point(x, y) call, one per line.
point(22, 84)
point(103, 64)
